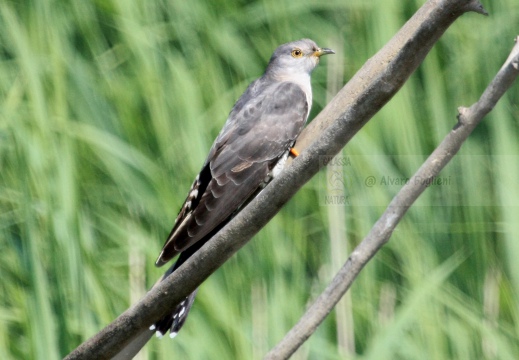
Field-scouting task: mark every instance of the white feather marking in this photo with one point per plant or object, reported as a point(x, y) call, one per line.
point(173, 334)
point(182, 311)
point(194, 193)
point(152, 327)
point(159, 334)
point(279, 165)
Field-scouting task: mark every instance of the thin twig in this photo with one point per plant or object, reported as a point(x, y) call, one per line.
point(468, 119)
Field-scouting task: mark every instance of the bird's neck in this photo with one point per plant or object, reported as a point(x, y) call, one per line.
point(303, 80)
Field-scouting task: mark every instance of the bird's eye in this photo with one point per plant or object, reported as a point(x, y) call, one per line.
point(297, 53)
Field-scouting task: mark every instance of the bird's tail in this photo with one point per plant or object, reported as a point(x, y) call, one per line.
point(174, 321)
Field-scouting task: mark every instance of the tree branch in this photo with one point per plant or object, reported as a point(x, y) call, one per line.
point(373, 85)
point(468, 119)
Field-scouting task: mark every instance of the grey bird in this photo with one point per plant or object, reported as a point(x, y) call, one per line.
point(250, 150)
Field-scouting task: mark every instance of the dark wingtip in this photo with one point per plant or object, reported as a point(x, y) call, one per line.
point(168, 252)
point(161, 260)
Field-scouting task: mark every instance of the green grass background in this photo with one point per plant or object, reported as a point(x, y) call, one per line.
point(107, 110)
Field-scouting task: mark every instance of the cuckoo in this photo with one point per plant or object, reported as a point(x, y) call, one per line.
point(250, 150)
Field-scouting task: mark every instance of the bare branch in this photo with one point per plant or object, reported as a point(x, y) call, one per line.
point(378, 80)
point(468, 119)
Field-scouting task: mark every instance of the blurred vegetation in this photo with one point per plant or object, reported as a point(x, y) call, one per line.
point(107, 110)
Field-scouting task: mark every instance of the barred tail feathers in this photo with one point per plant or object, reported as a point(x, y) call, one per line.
point(174, 321)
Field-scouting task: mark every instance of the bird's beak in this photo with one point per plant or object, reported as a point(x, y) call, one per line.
point(323, 51)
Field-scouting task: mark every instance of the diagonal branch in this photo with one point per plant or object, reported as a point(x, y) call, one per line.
point(372, 87)
point(468, 119)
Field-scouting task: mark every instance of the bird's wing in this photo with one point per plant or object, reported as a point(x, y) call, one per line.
point(260, 129)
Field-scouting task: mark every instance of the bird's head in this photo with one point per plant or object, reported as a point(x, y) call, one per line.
point(296, 58)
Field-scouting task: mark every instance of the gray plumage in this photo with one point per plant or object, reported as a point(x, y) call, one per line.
point(260, 130)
